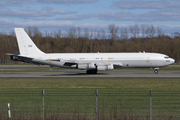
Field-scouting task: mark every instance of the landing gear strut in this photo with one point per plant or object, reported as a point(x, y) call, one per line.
point(91, 71)
point(156, 71)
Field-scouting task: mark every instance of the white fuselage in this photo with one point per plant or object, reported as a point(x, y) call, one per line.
point(129, 60)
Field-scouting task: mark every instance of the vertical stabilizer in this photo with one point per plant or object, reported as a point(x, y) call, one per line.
point(26, 45)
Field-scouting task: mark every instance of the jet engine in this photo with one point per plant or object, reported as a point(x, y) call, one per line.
point(105, 67)
point(86, 66)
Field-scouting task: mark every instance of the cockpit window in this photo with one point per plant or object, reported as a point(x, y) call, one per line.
point(166, 57)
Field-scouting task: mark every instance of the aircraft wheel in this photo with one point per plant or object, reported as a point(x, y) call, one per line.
point(94, 71)
point(88, 72)
point(156, 71)
point(91, 72)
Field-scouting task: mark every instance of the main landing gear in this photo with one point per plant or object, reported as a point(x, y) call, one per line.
point(91, 71)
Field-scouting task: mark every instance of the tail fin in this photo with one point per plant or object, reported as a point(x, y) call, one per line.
point(26, 45)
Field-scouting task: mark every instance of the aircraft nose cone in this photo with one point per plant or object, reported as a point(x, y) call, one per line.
point(173, 61)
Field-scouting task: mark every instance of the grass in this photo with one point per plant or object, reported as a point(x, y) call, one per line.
point(84, 83)
point(75, 98)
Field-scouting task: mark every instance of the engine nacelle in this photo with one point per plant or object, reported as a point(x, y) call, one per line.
point(105, 67)
point(86, 66)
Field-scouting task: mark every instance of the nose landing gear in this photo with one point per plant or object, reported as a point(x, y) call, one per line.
point(156, 70)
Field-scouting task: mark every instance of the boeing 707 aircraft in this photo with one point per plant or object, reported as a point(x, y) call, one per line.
point(92, 62)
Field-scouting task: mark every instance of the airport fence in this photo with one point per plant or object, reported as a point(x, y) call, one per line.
point(109, 104)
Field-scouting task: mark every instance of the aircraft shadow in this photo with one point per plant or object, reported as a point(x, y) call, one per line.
point(77, 74)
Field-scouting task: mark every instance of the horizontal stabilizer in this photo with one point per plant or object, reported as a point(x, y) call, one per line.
point(16, 57)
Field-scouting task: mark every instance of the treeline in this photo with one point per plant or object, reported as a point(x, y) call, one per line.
point(133, 38)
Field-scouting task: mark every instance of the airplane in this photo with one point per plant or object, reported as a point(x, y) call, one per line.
point(91, 62)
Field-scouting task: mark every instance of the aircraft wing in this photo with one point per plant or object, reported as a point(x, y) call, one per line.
point(77, 62)
point(117, 65)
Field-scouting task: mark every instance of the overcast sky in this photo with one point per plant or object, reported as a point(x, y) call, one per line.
point(51, 15)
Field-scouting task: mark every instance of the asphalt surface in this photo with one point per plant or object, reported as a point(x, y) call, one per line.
point(111, 74)
point(30, 71)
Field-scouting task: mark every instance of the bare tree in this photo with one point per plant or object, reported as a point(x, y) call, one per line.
point(86, 33)
point(57, 34)
point(132, 31)
point(103, 34)
point(152, 31)
point(91, 34)
point(147, 30)
point(95, 34)
point(29, 31)
point(79, 32)
point(143, 30)
point(124, 33)
point(159, 31)
point(137, 30)
point(36, 32)
point(113, 30)
point(98, 34)
point(72, 32)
